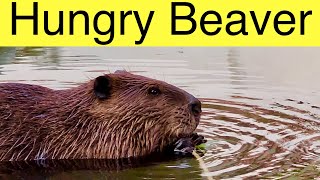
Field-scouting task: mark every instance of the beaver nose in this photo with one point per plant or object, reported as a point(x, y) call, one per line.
point(195, 105)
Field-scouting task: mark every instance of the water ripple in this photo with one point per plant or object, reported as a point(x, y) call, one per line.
point(252, 141)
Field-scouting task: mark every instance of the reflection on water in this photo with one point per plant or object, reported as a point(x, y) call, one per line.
point(237, 73)
point(159, 167)
point(261, 106)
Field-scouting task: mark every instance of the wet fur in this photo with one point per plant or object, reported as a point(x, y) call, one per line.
point(41, 123)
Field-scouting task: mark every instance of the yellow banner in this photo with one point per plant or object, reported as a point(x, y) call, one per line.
point(160, 23)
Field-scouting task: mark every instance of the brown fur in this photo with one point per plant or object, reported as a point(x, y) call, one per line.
point(41, 123)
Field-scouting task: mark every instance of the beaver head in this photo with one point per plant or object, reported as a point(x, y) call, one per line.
point(143, 110)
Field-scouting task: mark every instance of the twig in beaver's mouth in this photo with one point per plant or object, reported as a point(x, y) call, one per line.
point(201, 163)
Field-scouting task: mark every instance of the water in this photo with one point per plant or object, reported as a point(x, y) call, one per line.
point(261, 106)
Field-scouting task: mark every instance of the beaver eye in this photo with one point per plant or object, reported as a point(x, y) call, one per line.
point(154, 91)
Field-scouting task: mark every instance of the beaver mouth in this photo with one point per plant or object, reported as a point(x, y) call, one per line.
point(192, 122)
point(184, 127)
point(187, 130)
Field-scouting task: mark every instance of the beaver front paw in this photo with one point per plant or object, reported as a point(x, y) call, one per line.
point(185, 146)
point(197, 139)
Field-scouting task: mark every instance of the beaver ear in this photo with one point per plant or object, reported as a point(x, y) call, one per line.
point(102, 87)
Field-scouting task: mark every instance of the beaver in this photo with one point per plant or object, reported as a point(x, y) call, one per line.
point(116, 115)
